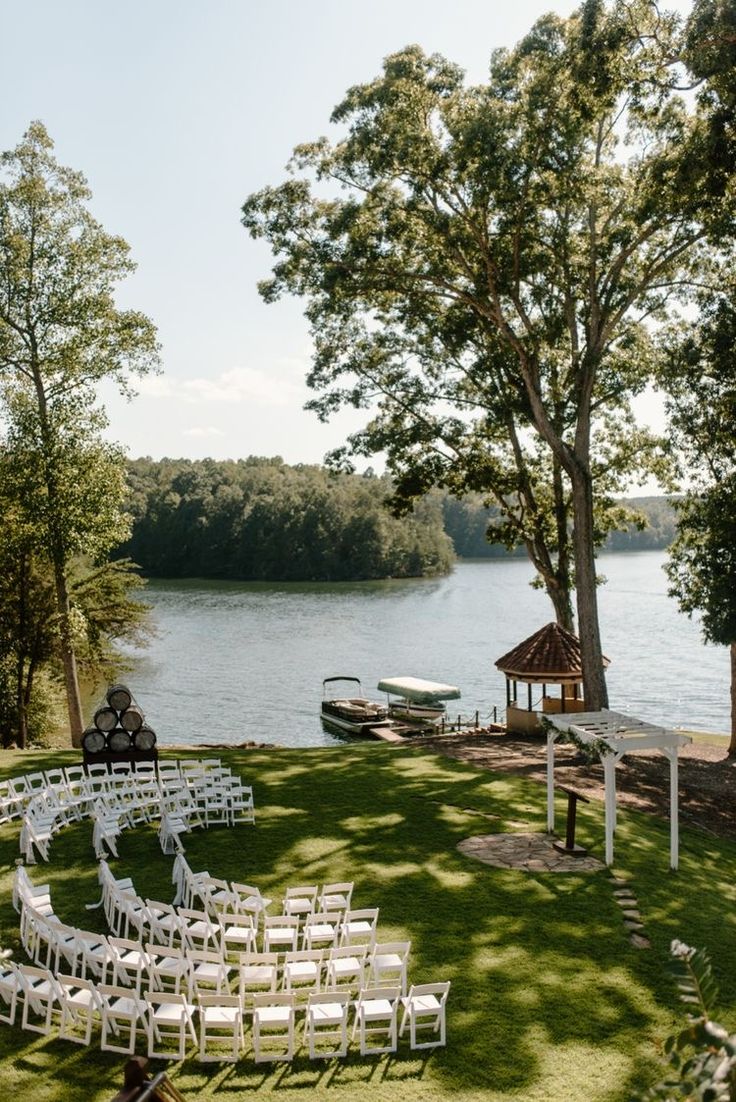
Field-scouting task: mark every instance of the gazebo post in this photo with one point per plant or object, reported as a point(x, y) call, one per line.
point(609, 773)
point(551, 737)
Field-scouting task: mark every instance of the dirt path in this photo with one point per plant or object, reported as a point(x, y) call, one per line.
point(707, 777)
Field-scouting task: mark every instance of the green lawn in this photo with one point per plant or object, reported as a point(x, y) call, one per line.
point(549, 1001)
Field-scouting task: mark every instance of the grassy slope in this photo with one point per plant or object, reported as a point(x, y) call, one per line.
point(549, 1001)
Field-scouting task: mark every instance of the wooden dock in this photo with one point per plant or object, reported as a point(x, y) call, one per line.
point(387, 734)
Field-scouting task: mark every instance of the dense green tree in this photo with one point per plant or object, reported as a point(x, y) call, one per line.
point(482, 266)
point(60, 335)
point(265, 521)
point(700, 379)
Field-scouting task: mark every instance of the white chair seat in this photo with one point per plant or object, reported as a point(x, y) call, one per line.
point(220, 1015)
point(325, 1013)
point(302, 970)
point(274, 1015)
point(124, 1006)
point(374, 1009)
point(426, 1003)
point(168, 1013)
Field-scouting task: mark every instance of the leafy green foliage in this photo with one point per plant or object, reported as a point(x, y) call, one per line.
point(482, 266)
point(61, 333)
point(263, 520)
point(702, 1056)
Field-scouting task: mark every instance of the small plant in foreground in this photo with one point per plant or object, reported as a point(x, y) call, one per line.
point(702, 1056)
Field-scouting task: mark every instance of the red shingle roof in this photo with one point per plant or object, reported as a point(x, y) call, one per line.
point(551, 654)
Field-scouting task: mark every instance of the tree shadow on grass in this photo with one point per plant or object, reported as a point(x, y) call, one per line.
point(539, 963)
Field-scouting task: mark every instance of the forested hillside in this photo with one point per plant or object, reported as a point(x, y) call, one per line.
point(259, 519)
point(467, 521)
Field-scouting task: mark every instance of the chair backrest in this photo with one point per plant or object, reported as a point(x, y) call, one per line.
point(274, 998)
point(439, 990)
point(336, 895)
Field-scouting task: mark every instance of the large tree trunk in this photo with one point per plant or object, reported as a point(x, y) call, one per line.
point(594, 679)
point(732, 743)
point(68, 657)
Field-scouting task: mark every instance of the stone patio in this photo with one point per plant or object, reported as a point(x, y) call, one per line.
point(533, 852)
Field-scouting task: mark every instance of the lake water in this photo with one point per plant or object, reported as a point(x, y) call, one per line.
point(239, 661)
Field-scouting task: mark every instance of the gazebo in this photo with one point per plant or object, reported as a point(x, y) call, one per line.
point(611, 735)
point(549, 657)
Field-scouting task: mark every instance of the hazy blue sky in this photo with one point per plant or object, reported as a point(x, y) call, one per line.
point(175, 111)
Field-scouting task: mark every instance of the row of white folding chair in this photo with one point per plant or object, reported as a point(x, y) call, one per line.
point(120, 1013)
point(320, 929)
point(376, 1021)
point(345, 967)
point(74, 785)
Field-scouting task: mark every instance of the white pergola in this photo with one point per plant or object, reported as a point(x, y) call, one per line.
point(613, 735)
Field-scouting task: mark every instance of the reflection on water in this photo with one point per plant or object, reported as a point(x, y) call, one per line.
point(239, 661)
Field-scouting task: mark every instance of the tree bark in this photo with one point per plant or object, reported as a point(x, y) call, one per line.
point(732, 743)
point(594, 678)
point(68, 657)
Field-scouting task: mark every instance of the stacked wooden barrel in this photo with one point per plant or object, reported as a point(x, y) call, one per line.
point(119, 731)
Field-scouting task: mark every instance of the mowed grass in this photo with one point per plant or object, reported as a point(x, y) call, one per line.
point(549, 1000)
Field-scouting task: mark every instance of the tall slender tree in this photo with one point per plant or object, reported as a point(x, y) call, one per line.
point(61, 333)
point(486, 263)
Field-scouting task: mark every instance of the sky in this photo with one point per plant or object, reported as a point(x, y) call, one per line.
point(175, 112)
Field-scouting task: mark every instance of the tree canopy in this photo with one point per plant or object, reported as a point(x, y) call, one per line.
point(61, 333)
point(482, 268)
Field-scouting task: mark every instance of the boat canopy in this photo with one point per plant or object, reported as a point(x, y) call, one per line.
point(418, 691)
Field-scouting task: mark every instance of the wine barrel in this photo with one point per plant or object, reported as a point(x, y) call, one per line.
point(119, 697)
point(105, 719)
point(93, 741)
point(144, 738)
point(132, 719)
point(118, 741)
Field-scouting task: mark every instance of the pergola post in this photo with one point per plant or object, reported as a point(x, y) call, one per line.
point(674, 811)
point(551, 737)
point(609, 774)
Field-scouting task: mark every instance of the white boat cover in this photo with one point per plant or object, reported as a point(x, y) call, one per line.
point(418, 691)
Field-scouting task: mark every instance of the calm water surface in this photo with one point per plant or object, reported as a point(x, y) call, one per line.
point(238, 661)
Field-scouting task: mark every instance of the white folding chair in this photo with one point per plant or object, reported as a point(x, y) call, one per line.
point(302, 970)
point(300, 900)
point(346, 966)
point(242, 807)
point(359, 927)
point(170, 1019)
point(164, 924)
point(167, 968)
point(207, 970)
point(336, 896)
point(129, 962)
point(220, 1023)
point(280, 932)
point(326, 1024)
point(40, 994)
point(389, 962)
point(375, 1016)
point(256, 972)
point(122, 1010)
point(273, 1026)
point(238, 933)
point(250, 900)
point(321, 931)
point(81, 1007)
point(199, 931)
point(424, 1009)
point(11, 987)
